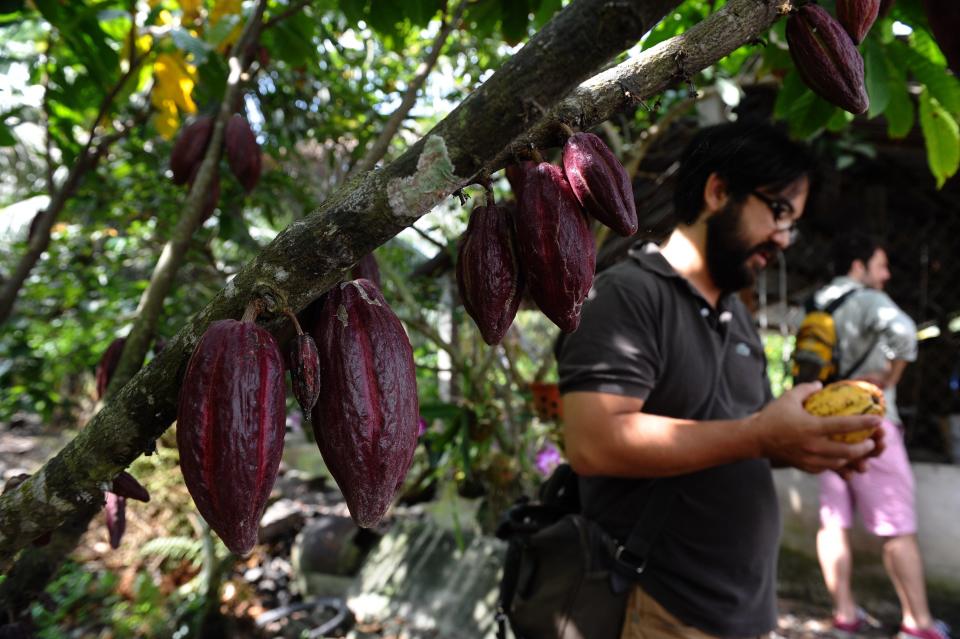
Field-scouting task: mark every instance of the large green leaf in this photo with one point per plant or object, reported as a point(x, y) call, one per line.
point(80, 30)
point(806, 114)
point(482, 17)
point(354, 10)
point(385, 16)
point(877, 76)
point(544, 12)
point(900, 112)
point(943, 86)
point(291, 41)
point(942, 136)
point(420, 12)
point(516, 14)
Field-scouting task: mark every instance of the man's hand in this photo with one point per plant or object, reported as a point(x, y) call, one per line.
point(788, 434)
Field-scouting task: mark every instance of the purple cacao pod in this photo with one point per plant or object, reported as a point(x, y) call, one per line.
point(305, 371)
point(231, 421)
point(826, 58)
point(190, 147)
point(489, 275)
point(600, 182)
point(367, 269)
point(556, 247)
point(517, 175)
point(857, 16)
point(367, 419)
point(944, 19)
point(108, 365)
point(243, 152)
point(116, 512)
point(125, 485)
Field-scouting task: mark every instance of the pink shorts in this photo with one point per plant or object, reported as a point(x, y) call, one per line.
point(883, 495)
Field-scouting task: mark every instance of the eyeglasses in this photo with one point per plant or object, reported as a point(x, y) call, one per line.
point(778, 209)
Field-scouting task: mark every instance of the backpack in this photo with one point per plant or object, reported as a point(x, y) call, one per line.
point(816, 355)
point(564, 577)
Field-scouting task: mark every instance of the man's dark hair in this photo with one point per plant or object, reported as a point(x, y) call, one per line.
point(851, 247)
point(747, 155)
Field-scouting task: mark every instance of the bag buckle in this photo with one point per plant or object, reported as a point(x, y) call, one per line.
point(626, 558)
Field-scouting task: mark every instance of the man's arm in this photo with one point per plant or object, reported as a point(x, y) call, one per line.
point(888, 378)
point(610, 435)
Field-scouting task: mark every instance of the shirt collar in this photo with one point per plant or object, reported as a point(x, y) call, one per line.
point(649, 257)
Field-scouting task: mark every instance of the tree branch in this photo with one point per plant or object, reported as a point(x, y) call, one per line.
point(290, 11)
point(379, 147)
point(653, 71)
point(312, 254)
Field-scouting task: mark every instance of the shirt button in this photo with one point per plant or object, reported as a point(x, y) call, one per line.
point(704, 311)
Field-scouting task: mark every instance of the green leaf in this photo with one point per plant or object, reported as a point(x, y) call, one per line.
point(516, 14)
point(188, 43)
point(354, 10)
point(806, 113)
point(81, 32)
point(942, 136)
point(943, 86)
point(212, 76)
point(482, 17)
point(385, 15)
point(900, 112)
point(793, 89)
point(545, 12)
point(6, 136)
point(291, 41)
point(420, 12)
point(11, 6)
point(877, 76)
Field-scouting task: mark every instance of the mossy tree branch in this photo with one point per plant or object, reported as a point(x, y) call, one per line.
point(311, 255)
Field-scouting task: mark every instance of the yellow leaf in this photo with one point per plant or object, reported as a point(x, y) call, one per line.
point(166, 120)
point(191, 9)
point(223, 8)
point(174, 81)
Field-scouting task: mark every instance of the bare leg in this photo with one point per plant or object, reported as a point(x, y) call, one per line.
point(836, 562)
point(901, 557)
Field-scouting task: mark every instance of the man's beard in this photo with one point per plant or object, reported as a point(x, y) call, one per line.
point(728, 252)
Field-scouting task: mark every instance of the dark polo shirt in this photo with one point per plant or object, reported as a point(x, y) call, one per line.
point(646, 332)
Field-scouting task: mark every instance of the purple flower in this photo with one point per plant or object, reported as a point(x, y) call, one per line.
point(423, 426)
point(547, 459)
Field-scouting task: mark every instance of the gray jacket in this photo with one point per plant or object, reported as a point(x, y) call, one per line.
point(869, 319)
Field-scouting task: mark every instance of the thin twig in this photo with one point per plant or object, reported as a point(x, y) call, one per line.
point(290, 11)
point(379, 147)
point(440, 245)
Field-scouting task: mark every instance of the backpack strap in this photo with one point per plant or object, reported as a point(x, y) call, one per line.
point(631, 556)
point(833, 306)
point(836, 303)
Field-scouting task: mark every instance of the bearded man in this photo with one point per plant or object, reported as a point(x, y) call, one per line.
point(668, 413)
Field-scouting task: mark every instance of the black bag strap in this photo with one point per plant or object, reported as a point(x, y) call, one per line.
point(632, 555)
point(831, 308)
point(836, 303)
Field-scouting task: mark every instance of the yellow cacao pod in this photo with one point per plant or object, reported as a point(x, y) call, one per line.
point(847, 397)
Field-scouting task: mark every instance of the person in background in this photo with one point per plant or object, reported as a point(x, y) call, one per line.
point(875, 339)
point(665, 388)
